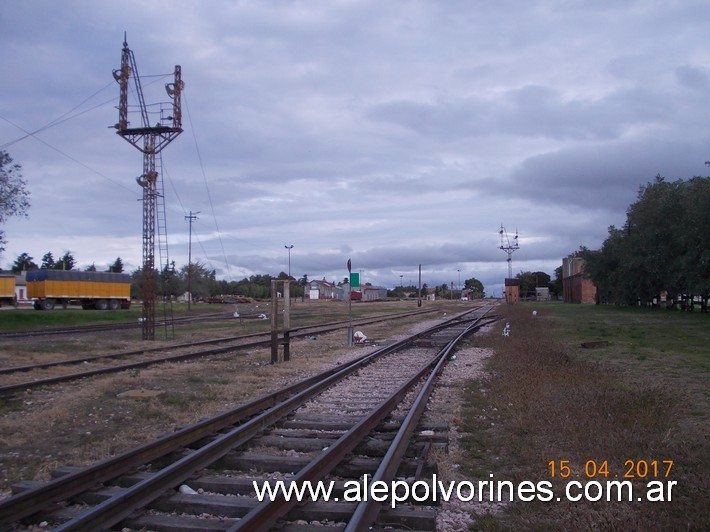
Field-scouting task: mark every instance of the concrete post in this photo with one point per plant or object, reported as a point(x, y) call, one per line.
point(287, 320)
point(274, 323)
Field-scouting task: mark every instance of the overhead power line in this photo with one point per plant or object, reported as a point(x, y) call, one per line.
point(207, 188)
point(70, 157)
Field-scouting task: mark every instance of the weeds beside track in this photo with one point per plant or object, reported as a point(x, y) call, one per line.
point(640, 395)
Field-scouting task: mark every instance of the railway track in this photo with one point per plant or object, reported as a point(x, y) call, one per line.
point(33, 378)
point(355, 421)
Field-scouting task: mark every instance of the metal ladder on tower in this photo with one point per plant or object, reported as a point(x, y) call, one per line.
point(166, 272)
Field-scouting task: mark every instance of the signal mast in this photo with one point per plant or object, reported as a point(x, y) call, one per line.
point(150, 140)
point(509, 247)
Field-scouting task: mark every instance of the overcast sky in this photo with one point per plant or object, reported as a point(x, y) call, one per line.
point(394, 133)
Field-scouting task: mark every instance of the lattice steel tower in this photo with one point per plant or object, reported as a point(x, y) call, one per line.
point(509, 247)
point(150, 140)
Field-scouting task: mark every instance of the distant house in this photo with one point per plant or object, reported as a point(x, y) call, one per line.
point(321, 290)
point(542, 293)
point(373, 293)
point(470, 293)
point(343, 289)
point(575, 286)
point(21, 287)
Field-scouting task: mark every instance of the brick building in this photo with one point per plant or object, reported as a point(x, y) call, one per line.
point(575, 286)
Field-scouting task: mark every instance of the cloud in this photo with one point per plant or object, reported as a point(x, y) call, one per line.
point(605, 176)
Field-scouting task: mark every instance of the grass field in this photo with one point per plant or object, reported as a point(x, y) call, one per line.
point(28, 318)
point(621, 409)
point(11, 319)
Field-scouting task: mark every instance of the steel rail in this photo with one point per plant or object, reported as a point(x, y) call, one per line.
point(367, 510)
point(14, 388)
point(28, 502)
point(317, 328)
point(115, 509)
point(98, 327)
point(266, 514)
point(31, 501)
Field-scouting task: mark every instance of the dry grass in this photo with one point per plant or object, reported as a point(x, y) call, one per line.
point(79, 423)
point(546, 401)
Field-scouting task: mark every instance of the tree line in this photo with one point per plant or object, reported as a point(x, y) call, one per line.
point(662, 249)
point(202, 281)
point(25, 262)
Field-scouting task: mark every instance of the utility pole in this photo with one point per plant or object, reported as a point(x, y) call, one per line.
point(289, 248)
point(190, 218)
point(350, 303)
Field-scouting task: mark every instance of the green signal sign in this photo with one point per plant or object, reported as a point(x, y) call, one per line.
point(355, 280)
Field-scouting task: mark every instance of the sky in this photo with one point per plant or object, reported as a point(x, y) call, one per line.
point(395, 134)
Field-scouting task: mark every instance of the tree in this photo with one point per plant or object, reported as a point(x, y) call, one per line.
point(663, 246)
point(529, 281)
point(48, 261)
point(169, 281)
point(476, 286)
point(302, 284)
point(14, 197)
point(90, 268)
point(443, 291)
point(117, 266)
point(137, 284)
point(556, 285)
point(66, 262)
point(23, 263)
point(201, 279)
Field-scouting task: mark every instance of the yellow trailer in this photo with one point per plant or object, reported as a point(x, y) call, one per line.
point(7, 289)
point(93, 290)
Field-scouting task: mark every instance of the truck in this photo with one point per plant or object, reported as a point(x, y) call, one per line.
point(92, 290)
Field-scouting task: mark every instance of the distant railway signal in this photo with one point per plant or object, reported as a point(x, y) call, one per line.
point(509, 247)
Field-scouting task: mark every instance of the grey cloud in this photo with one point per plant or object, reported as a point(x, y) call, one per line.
point(693, 78)
point(529, 111)
point(603, 176)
